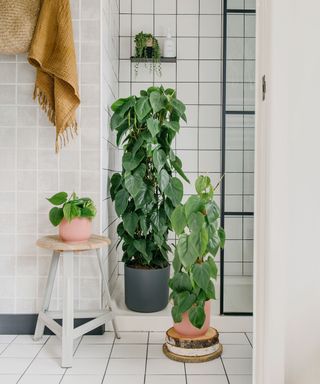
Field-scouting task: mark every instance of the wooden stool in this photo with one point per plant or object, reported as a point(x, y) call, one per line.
point(67, 333)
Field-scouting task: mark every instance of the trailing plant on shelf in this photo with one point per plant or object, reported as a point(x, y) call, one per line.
point(146, 191)
point(196, 224)
point(71, 208)
point(147, 46)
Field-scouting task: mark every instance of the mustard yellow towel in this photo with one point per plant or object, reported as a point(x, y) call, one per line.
point(52, 53)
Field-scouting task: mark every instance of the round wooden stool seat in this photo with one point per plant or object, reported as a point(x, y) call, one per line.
point(54, 243)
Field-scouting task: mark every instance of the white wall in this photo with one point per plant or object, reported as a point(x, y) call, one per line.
point(31, 171)
point(287, 204)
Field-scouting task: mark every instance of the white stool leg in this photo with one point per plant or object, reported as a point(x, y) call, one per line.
point(107, 293)
point(48, 292)
point(67, 311)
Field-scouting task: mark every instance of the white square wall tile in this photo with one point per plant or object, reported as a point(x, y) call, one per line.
point(187, 25)
point(209, 116)
point(187, 70)
point(210, 25)
point(125, 25)
point(210, 70)
point(187, 139)
point(209, 161)
point(167, 74)
point(142, 23)
point(210, 93)
point(125, 6)
point(189, 160)
point(188, 7)
point(165, 24)
point(210, 48)
point(165, 7)
point(187, 48)
point(142, 6)
point(188, 92)
point(210, 7)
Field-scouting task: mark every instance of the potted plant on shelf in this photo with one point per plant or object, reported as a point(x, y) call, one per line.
point(196, 223)
point(146, 192)
point(73, 215)
point(147, 47)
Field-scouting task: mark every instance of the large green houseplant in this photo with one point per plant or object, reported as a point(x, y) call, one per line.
point(146, 192)
point(196, 224)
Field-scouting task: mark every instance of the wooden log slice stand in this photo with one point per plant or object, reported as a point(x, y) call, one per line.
point(192, 350)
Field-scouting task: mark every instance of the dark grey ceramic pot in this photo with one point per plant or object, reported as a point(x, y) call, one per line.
point(146, 290)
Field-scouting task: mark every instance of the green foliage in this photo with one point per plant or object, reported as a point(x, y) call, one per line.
point(71, 208)
point(146, 192)
point(142, 41)
point(196, 223)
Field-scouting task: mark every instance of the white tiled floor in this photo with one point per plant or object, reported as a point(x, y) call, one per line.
point(135, 359)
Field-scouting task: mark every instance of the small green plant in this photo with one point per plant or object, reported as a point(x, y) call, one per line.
point(146, 191)
point(71, 208)
point(145, 42)
point(196, 224)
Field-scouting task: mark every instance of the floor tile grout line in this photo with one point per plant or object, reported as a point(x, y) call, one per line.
point(146, 363)
point(64, 373)
point(185, 373)
point(105, 371)
point(9, 344)
point(248, 339)
point(224, 368)
point(24, 372)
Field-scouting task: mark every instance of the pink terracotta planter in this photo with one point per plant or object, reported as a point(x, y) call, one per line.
point(185, 328)
point(78, 230)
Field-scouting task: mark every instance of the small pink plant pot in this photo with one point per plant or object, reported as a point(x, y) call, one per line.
point(185, 328)
point(77, 231)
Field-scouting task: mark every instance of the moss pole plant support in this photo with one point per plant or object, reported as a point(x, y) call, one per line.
point(147, 46)
point(196, 224)
point(146, 192)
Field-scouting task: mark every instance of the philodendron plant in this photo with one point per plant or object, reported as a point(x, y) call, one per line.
point(146, 192)
point(196, 224)
point(70, 208)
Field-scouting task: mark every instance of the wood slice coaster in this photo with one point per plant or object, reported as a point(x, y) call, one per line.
point(207, 340)
point(192, 350)
point(192, 359)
